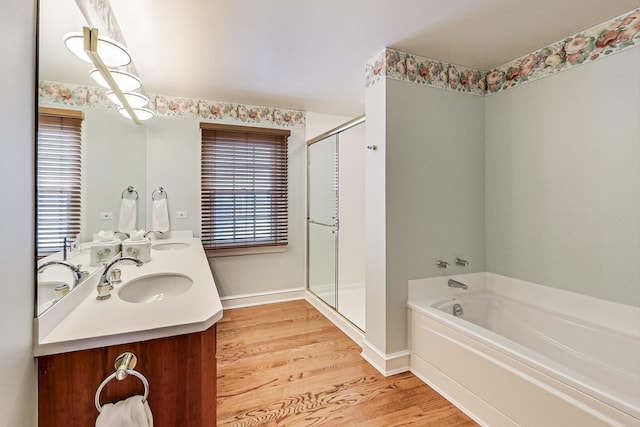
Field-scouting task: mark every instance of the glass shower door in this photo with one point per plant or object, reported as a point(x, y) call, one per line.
point(322, 221)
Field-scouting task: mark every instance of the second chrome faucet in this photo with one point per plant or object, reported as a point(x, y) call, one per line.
point(104, 285)
point(78, 275)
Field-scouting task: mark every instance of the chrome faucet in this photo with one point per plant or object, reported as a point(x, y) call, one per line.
point(104, 286)
point(455, 284)
point(77, 273)
point(123, 233)
point(442, 264)
point(153, 231)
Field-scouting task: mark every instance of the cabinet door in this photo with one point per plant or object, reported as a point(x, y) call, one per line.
point(181, 371)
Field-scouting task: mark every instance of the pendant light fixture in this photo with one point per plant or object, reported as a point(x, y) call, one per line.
point(113, 53)
point(106, 54)
point(125, 81)
point(134, 99)
point(141, 113)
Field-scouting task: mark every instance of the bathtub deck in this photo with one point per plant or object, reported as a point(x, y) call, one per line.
point(286, 365)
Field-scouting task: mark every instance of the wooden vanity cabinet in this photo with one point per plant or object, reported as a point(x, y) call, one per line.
point(181, 371)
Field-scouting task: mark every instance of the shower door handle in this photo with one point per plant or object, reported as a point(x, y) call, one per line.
point(324, 224)
point(334, 226)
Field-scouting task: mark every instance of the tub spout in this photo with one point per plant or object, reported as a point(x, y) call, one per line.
point(455, 284)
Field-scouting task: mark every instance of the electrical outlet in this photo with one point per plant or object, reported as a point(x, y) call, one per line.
point(106, 215)
point(181, 214)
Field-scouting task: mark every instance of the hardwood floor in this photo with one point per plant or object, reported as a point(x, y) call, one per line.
point(286, 365)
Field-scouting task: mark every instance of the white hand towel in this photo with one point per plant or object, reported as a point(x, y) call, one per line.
point(131, 412)
point(128, 214)
point(160, 216)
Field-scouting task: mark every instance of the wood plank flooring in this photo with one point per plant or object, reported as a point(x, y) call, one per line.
point(286, 365)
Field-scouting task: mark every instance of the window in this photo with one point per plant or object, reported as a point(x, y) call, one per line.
point(244, 187)
point(58, 176)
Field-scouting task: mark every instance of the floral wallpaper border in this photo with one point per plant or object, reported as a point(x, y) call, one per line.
point(70, 95)
point(403, 66)
point(595, 43)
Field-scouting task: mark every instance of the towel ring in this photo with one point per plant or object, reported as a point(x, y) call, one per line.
point(160, 193)
point(130, 189)
point(112, 376)
point(124, 366)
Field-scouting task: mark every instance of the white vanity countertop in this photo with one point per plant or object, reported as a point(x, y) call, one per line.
point(92, 323)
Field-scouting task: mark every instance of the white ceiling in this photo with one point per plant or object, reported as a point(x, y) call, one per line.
point(305, 54)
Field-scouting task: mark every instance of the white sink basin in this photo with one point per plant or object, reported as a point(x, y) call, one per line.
point(169, 246)
point(155, 287)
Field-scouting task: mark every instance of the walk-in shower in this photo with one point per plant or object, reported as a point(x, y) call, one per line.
point(335, 219)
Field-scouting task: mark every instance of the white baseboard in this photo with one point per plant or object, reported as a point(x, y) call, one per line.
point(260, 298)
point(386, 364)
point(343, 324)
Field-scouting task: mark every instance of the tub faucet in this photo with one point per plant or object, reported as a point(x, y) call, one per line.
point(442, 264)
point(123, 233)
point(104, 286)
point(77, 274)
point(455, 284)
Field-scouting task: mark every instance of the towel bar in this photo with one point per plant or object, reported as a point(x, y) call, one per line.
point(128, 190)
point(124, 366)
point(160, 193)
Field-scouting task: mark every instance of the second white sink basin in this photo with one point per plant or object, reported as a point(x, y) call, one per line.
point(155, 287)
point(174, 246)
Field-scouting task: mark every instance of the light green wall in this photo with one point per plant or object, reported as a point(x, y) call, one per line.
point(563, 180)
point(166, 152)
point(434, 190)
point(433, 201)
point(376, 318)
point(540, 182)
point(18, 388)
point(173, 161)
point(114, 157)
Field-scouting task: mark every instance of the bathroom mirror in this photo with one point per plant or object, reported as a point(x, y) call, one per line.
point(113, 149)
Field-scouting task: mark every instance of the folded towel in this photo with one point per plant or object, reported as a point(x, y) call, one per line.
point(105, 236)
point(160, 216)
point(136, 235)
point(131, 412)
point(128, 214)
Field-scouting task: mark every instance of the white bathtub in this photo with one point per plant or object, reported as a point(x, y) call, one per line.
point(540, 362)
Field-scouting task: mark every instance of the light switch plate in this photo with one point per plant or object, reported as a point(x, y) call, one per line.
point(106, 215)
point(181, 214)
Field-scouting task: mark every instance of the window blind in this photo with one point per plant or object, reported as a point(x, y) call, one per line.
point(59, 174)
point(243, 187)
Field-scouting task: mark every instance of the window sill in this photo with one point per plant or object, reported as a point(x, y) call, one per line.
point(245, 251)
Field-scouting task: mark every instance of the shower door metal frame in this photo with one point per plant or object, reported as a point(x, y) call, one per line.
point(335, 131)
